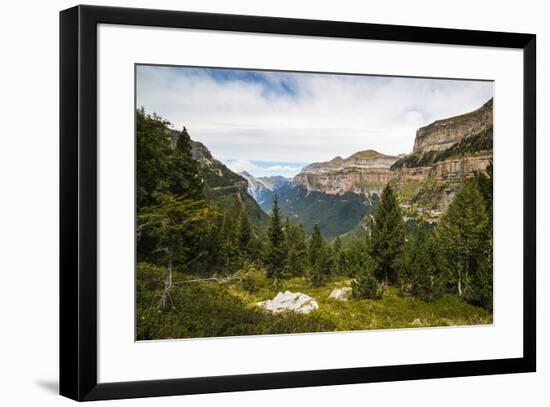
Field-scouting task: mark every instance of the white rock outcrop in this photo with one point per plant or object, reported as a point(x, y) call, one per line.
point(289, 301)
point(340, 294)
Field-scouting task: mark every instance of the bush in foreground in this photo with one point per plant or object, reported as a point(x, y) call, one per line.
point(366, 285)
point(208, 309)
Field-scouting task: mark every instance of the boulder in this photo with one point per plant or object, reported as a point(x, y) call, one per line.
point(289, 301)
point(340, 294)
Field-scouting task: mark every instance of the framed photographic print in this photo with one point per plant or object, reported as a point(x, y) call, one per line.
point(257, 202)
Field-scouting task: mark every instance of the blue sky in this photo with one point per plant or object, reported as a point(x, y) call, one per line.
point(274, 123)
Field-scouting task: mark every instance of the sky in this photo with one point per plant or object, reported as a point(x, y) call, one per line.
point(275, 123)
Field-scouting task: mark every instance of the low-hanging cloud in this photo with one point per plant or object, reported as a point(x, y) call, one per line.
point(281, 117)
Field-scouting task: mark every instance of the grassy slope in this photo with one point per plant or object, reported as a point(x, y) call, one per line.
point(392, 311)
point(213, 309)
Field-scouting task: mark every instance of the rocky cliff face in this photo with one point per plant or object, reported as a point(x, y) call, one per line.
point(430, 189)
point(364, 181)
point(442, 134)
point(226, 188)
point(445, 154)
point(365, 172)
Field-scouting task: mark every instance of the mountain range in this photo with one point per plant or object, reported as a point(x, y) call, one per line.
point(339, 194)
point(263, 189)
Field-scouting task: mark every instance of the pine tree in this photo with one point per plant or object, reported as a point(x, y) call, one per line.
point(337, 255)
point(337, 245)
point(365, 285)
point(484, 182)
point(464, 235)
point(387, 235)
point(164, 170)
point(178, 225)
point(320, 258)
point(152, 152)
point(295, 238)
point(184, 176)
point(315, 245)
point(484, 281)
point(244, 235)
point(228, 238)
point(276, 256)
point(420, 266)
point(353, 258)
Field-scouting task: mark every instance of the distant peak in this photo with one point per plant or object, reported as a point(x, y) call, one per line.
point(246, 174)
point(366, 154)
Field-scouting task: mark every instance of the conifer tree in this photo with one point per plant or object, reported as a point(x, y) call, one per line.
point(387, 235)
point(165, 171)
point(420, 271)
point(315, 245)
point(337, 255)
point(464, 235)
point(276, 256)
point(484, 182)
point(337, 245)
point(244, 235)
point(365, 284)
point(295, 238)
point(228, 238)
point(320, 258)
point(183, 173)
point(178, 225)
point(353, 258)
point(153, 149)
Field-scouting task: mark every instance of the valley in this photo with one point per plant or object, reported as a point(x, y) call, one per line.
point(370, 241)
point(339, 194)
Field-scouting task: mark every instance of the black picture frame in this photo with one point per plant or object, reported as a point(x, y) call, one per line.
point(78, 201)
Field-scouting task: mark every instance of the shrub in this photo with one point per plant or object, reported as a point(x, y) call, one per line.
point(208, 309)
point(366, 285)
point(254, 279)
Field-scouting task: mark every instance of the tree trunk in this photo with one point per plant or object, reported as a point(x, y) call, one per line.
point(459, 284)
point(167, 285)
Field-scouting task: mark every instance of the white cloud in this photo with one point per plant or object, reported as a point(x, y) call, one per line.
point(245, 121)
point(283, 168)
point(242, 165)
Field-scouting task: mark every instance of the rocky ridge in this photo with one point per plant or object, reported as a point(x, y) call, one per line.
point(445, 153)
point(442, 134)
point(225, 187)
point(365, 172)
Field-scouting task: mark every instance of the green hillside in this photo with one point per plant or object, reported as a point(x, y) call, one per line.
point(335, 214)
point(226, 188)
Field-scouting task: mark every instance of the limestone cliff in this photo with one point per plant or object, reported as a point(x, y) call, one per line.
point(445, 154)
point(430, 189)
point(442, 134)
point(365, 172)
